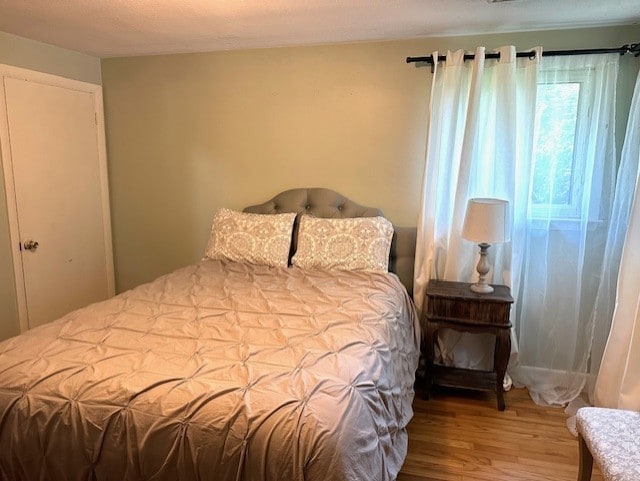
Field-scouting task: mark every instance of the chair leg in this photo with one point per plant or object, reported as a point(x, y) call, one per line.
point(586, 461)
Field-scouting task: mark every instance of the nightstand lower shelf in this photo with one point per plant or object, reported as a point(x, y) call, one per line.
point(463, 378)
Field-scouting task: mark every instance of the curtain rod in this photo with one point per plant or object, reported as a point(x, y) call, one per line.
point(633, 48)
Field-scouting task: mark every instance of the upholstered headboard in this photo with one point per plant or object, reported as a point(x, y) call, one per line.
point(328, 203)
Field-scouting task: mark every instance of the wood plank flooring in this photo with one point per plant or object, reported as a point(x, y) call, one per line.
point(460, 436)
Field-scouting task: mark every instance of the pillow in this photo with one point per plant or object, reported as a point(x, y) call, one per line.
point(344, 244)
point(262, 239)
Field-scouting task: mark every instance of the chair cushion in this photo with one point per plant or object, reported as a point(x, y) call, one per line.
point(612, 436)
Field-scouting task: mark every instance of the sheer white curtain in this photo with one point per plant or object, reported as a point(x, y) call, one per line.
point(485, 139)
point(566, 238)
point(618, 384)
point(480, 136)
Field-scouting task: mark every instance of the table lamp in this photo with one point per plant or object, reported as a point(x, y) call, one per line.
point(486, 222)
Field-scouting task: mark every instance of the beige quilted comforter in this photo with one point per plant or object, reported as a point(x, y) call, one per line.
point(218, 371)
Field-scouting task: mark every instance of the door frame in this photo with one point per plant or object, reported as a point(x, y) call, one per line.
point(9, 185)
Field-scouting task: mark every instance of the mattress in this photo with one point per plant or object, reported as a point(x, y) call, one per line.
point(217, 371)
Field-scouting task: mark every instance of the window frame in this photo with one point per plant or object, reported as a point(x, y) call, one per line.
point(572, 211)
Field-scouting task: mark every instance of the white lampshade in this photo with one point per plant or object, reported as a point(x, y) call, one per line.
point(487, 220)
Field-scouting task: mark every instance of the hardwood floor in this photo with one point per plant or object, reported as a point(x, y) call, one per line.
point(461, 436)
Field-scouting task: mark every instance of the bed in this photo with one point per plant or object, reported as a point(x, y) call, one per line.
point(221, 371)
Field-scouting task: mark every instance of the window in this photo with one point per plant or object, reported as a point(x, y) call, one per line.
point(562, 113)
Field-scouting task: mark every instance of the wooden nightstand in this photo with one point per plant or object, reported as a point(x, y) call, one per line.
point(453, 305)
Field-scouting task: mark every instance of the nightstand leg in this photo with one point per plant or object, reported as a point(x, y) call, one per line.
point(500, 360)
point(429, 338)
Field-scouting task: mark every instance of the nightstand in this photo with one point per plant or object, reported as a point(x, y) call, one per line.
point(453, 305)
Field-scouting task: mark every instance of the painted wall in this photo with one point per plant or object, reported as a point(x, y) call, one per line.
point(189, 133)
point(21, 52)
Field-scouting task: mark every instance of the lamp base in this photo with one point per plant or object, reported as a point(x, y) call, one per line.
point(481, 288)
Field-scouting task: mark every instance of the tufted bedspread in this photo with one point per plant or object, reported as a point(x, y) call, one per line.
point(218, 371)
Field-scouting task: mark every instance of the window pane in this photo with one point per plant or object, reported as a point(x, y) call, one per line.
point(556, 118)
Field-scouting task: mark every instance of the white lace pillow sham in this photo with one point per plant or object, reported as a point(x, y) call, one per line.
point(360, 243)
point(263, 239)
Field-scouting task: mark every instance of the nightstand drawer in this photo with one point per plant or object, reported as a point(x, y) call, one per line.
point(481, 312)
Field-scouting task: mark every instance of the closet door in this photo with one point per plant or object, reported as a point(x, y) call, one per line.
point(60, 225)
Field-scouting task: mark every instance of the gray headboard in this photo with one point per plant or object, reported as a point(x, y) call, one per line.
point(328, 203)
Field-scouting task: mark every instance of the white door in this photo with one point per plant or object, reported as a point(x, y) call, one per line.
point(61, 219)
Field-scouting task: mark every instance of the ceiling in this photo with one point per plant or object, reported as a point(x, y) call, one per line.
point(108, 28)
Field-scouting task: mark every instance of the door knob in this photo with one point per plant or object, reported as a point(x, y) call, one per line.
point(30, 245)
